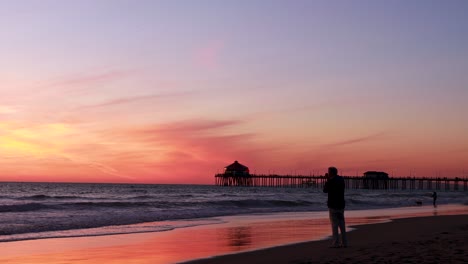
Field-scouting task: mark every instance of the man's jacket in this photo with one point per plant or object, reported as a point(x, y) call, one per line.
point(335, 188)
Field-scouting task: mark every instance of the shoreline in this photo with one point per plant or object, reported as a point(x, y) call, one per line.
point(236, 235)
point(171, 225)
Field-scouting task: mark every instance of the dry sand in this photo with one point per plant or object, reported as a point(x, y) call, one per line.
point(434, 239)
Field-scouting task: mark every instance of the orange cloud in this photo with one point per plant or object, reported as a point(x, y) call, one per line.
point(45, 149)
point(187, 151)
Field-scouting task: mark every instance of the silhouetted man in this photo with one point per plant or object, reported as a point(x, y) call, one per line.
point(434, 198)
point(335, 187)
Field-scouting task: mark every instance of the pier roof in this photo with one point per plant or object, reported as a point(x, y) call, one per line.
point(236, 166)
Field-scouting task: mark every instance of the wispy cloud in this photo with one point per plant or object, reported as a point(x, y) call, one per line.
point(351, 141)
point(179, 147)
point(5, 109)
point(284, 111)
point(133, 99)
point(99, 166)
point(192, 126)
point(71, 83)
point(33, 145)
point(86, 79)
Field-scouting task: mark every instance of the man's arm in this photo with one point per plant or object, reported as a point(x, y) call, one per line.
point(325, 187)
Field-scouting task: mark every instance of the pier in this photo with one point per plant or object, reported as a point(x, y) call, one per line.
point(351, 182)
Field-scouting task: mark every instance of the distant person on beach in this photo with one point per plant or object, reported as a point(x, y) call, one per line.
point(335, 187)
point(434, 198)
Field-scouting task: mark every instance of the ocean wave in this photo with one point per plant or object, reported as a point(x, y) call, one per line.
point(44, 197)
point(142, 197)
point(110, 230)
point(27, 208)
point(108, 204)
point(71, 206)
point(356, 201)
point(353, 203)
point(152, 204)
point(253, 203)
point(246, 203)
point(23, 207)
point(158, 197)
point(139, 191)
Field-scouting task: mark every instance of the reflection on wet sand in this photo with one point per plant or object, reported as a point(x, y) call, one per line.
point(239, 237)
point(240, 233)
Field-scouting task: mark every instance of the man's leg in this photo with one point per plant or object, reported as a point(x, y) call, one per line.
point(334, 225)
point(342, 225)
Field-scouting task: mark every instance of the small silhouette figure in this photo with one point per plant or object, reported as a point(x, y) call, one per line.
point(419, 203)
point(335, 188)
point(434, 198)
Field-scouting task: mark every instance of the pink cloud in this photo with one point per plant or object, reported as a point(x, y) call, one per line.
point(188, 151)
point(193, 150)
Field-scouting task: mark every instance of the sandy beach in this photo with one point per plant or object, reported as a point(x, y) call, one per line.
point(436, 239)
point(430, 236)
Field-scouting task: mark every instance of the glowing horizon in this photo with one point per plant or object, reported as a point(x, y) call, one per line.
point(171, 92)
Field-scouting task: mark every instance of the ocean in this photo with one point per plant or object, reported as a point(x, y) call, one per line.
point(51, 210)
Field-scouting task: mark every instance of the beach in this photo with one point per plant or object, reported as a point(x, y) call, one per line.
point(436, 239)
point(430, 235)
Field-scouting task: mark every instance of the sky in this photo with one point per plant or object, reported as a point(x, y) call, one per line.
point(174, 91)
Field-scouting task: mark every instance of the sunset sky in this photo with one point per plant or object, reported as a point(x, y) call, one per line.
point(173, 91)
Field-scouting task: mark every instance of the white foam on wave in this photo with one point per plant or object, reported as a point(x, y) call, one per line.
point(159, 226)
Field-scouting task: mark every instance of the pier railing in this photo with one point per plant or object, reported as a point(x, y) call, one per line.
point(351, 182)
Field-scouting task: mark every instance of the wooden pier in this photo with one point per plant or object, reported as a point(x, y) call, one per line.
point(351, 182)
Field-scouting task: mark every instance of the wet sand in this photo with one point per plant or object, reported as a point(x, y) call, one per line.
point(433, 239)
point(257, 239)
